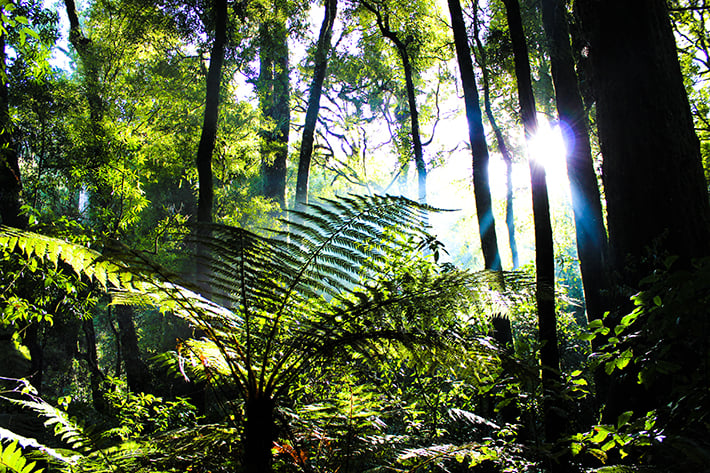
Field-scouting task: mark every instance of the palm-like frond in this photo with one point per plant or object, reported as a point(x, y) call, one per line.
point(271, 306)
point(68, 430)
point(274, 286)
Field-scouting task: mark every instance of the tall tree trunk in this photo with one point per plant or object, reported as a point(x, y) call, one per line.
point(500, 139)
point(554, 423)
point(10, 180)
point(82, 45)
point(309, 128)
point(137, 374)
point(209, 125)
point(95, 373)
point(11, 204)
point(402, 49)
point(260, 433)
point(586, 200)
point(274, 95)
point(100, 199)
point(655, 190)
point(414, 117)
point(95, 151)
point(652, 172)
point(95, 154)
point(477, 136)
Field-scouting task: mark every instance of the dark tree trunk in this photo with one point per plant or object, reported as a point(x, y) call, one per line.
point(414, 117)
point(500, 139)
point(477, 136)
point(137, 374)
point(655, 190)
point(82, 45)
point(96, 375)
point(274, 95)
point(403, 51)
point(31, 340)
point(209, 126)
point(586, 200)
point(259, 434)
point(309, 128)
point(656, 195)
point(554, 423)
point(10, 181)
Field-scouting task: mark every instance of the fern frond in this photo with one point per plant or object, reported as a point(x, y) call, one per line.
point(84, 261)
point(68, 430)
point(471, 454)
point(472, 419)
point(208, 446)
point(25, 442)
point(12, 459)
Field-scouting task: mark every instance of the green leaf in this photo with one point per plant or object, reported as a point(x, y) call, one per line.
point(600, 454)
point(657, 301)
point(608, 445)
point(600, 435)
point(11, 459)
point(624, 359)
point(586, 336)
point(101, 273)
point(31, 32)
point(624, 419)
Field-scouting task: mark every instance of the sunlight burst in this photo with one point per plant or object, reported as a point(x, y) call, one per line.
point(548, 148)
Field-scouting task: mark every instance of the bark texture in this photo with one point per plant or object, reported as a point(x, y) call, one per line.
point(309, 128)
point(137, 374)
point(477, 137)
point(652, 172)
point(259, 434)
point(656, 195)
point(96, 375)
point(208, 137)
point(586, 200)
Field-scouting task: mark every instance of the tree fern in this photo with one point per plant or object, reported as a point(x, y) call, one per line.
point(271, 308)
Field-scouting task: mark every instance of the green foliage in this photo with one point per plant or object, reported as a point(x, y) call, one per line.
point(627, 435)
point(654, 345)
point(174, 438)
point(12, 460)
point(139, 414)
point(30, 30)
point(341, 280)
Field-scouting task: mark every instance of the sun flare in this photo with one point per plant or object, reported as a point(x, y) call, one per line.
point(548, 148)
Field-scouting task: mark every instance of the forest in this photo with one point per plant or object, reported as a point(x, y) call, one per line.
point(354, 236)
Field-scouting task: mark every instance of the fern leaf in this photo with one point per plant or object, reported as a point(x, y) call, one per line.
point(63, 427)
point(11, 459)
point(25, 442)
point(471, 418)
